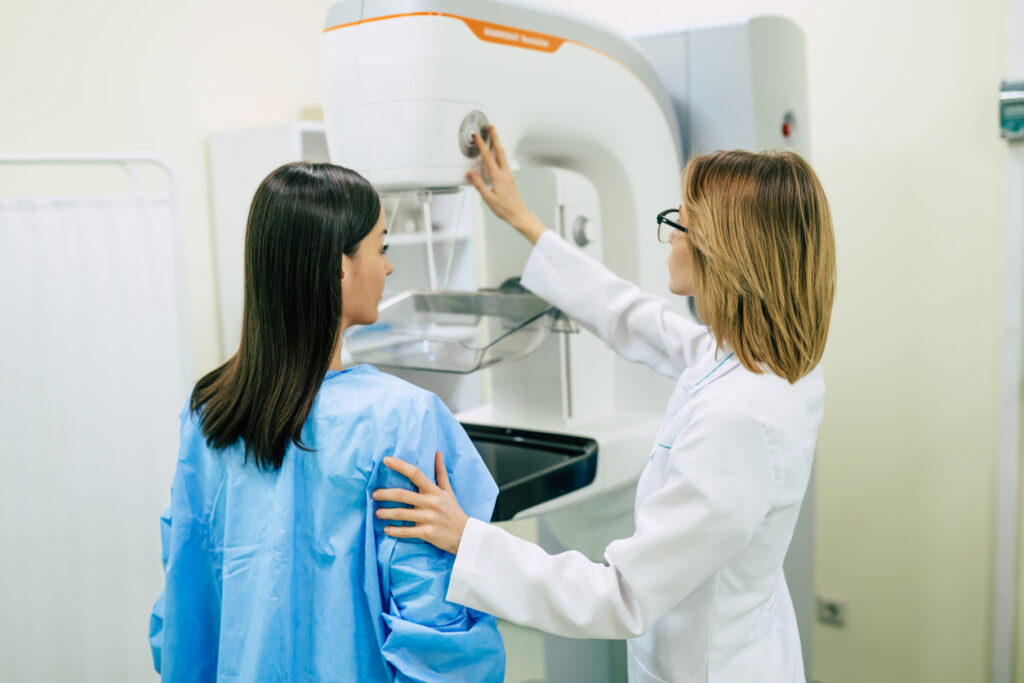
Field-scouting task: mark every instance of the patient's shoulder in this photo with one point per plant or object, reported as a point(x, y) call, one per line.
point(363, 386)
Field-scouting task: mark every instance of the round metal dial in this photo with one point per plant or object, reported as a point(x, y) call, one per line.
point(475, 122)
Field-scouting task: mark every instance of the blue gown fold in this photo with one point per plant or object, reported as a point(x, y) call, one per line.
point(288, 576)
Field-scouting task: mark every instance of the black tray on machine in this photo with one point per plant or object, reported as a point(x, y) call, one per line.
point(532, 467)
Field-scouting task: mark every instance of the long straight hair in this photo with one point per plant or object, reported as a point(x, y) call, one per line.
point(764, 259)
point(303, 218)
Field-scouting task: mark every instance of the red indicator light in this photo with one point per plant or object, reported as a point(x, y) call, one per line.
point(787, 129)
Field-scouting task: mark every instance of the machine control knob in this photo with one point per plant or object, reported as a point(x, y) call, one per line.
point(583, 231)
point(474, 122)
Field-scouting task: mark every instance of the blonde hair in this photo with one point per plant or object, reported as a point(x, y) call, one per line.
point(764, 262)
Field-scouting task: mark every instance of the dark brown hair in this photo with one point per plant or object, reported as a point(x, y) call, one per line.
point(764, 261)
point(303, 218)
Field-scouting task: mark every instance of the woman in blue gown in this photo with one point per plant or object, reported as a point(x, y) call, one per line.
point(275, 570)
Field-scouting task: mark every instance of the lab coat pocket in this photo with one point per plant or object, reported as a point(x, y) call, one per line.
point(654, 473)
point(658, 448)
point(670, 428)
point(663, 444)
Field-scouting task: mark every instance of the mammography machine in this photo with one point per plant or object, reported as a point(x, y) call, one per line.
point(598, 126)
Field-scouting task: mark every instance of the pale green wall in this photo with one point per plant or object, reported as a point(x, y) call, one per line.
point(903, 133)
point(159, 77)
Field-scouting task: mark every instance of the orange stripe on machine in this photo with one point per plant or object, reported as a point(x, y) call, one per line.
point(486, 31)
point(514, 37)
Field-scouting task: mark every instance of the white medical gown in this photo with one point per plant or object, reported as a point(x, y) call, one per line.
point(287, 576)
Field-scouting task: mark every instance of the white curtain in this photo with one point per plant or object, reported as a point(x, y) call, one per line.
point(94, 369)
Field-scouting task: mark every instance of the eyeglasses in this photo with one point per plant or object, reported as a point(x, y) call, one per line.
point(667, 225)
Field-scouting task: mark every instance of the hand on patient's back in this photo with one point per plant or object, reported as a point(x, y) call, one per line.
point(437, 516)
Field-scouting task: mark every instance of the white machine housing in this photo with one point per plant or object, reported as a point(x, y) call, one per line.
point(403, 77)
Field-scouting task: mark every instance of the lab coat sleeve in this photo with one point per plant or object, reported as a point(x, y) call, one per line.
point(426, 637)
point(156, 619)
point(716, 492)
point(638, 325)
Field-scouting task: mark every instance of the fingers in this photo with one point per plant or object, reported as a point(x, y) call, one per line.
point(403, 514)
point(411, 472)
point(440, 473)
point(405, 532)
point(485, 153)
point(499, 151)
point(398, 496)
point(479, 184)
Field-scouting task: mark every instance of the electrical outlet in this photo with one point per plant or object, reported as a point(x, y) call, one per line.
point(832, 611)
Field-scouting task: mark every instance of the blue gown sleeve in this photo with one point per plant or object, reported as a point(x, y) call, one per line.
point(427, 638)
point(156, 619)
point(185, 622)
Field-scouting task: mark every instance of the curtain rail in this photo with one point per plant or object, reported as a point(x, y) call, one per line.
point(125, 161)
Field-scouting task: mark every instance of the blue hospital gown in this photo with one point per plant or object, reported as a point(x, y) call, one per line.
point(288, 576)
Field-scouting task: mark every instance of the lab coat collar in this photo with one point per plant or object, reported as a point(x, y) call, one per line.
point(713, 367)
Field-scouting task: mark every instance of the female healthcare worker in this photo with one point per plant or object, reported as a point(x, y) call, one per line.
point(698, 589)
point(275, 568)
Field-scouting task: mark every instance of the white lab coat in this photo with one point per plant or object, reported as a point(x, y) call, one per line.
point(698, 589)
